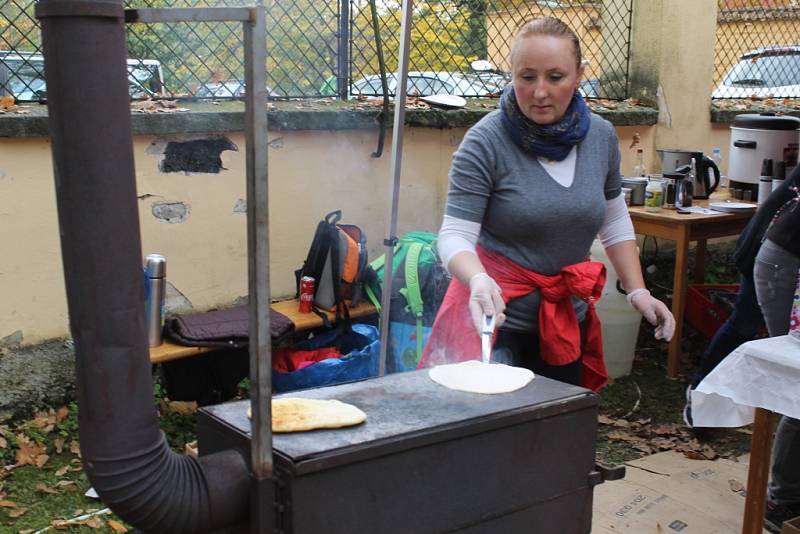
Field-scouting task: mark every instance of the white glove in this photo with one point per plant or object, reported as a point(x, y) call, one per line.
point(655, 311)
point(485, 299)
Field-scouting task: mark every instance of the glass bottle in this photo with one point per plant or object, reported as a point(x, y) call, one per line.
point(638, 167)
point(716, 157)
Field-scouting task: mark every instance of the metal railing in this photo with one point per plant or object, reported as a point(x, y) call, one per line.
point(328, 48)
point(757, 49)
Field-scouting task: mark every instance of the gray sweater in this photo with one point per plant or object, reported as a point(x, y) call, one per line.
point(524, 214)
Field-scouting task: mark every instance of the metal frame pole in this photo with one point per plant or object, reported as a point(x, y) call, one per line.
point(260, 343)
point(396, 160)
point(260, 340)
point(343, 63)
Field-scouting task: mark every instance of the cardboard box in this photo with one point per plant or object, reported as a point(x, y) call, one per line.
point(668, 493)
point(791, 527)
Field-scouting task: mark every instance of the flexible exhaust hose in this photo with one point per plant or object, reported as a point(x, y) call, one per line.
point(124, 452)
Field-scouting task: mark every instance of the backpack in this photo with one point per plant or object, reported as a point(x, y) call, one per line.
point(419, 282)
point(337, 261)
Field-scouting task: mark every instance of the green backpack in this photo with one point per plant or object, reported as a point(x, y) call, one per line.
point(419, 282)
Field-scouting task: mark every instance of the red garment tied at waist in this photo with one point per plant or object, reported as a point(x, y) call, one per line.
point(454, 338)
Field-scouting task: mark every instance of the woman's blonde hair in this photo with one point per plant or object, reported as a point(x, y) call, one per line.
point(546, 26)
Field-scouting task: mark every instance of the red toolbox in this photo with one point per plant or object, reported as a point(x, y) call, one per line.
point(709, 305)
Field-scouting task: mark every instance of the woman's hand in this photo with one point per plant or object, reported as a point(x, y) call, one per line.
point(655, 311)
point(485, 299)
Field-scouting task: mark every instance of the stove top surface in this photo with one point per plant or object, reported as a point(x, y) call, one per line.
point(411, 408)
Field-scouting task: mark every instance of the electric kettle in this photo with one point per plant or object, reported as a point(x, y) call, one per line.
point(706, 177)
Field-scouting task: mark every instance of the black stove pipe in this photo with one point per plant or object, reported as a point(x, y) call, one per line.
point(125, 454)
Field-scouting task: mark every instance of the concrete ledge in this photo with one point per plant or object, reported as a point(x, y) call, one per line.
point(727, 115)
point(36, 377)
point(300, 115)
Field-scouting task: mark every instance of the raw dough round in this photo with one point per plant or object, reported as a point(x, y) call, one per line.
point(477, 377)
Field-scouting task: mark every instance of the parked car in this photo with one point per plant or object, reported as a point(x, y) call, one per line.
point(426, 84)
point(226, 89)
point(589, 88)
point(772, 71)
point(22, 75)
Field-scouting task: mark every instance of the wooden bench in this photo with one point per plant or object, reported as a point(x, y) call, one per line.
point(169, 351)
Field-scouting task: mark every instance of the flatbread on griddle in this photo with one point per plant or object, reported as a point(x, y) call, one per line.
point(475, 376)
point(295, 414)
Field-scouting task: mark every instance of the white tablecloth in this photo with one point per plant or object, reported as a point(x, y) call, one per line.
point(759, 374)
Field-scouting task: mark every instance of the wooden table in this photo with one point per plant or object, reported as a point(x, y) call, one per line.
point(169, 351)
point(683, 229)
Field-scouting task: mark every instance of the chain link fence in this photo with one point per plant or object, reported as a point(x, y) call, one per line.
point(757, 52)
point(328, 48)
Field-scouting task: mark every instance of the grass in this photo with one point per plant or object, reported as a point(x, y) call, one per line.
point(640, 415)
point(47, 492)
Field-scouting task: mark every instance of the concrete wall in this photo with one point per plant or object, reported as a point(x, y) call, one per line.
point(311, 173)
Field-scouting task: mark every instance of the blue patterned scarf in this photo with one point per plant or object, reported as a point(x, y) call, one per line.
point(551, 141)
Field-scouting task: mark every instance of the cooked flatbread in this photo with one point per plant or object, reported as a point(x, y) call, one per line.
point(475, 376)
point(295, 414)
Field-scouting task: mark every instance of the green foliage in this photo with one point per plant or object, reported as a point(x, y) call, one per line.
point(445, 36)
point(67, 429)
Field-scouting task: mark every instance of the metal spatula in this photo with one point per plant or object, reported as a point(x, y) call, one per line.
point(486, 337)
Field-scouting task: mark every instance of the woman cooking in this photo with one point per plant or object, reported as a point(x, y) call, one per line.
point(530, 187)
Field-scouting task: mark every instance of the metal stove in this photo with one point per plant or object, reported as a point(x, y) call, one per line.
point(429, 459)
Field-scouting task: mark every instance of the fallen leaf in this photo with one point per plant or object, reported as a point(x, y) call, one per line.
point(65, 483)
point(622, 436)
point(61, 524)
point(664, 444)
point(694, 455)
point(75, 447)
point(622, 423)
point(181, 407)
point(62, 413)
point(708, 452)
point(3, 442)
point(116, 526)
point(666, 429)
point(29, 451)
point(94, 522)
point(45, 420)
point(8, 504)
point(58, 445)
point(61, 471)
point(44, 488)
point(605, 420)
point(41, 460)
point(16, 512)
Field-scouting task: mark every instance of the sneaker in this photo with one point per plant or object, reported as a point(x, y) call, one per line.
point(776, 514)
point(687, 409)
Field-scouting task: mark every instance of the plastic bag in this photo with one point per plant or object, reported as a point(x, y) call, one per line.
point(361, 347)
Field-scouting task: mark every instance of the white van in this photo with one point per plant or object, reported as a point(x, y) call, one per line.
point(22, 75)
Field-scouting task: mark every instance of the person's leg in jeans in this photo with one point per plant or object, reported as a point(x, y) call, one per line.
point(775, 276)
point(740, 327)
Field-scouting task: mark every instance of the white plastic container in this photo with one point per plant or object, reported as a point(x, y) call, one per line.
point(620, 323)
point(755, 137)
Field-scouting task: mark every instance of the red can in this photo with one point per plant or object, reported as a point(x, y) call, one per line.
point(306, 294)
